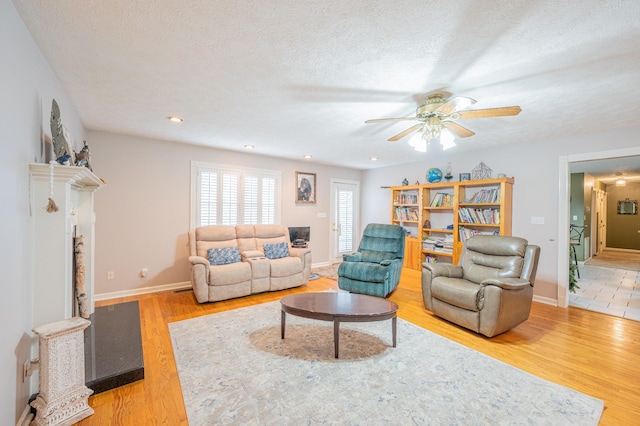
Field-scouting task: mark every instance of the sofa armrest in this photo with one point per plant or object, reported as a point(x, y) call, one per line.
point(506, 283)
point(199, 260)
point(354, 257)
point(443, 270)
point(298, 252)
point(251, 254)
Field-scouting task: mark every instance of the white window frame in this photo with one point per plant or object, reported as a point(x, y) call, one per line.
point(197, 166)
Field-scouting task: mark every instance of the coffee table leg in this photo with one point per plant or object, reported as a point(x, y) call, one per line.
point(282, 321)
point(336, 334)
point(393, 329)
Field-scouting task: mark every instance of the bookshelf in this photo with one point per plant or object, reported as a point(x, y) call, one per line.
point(439, 217)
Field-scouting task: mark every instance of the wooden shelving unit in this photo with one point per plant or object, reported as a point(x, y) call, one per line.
point(450, 212)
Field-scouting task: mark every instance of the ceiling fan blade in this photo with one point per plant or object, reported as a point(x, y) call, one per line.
point(405, 132)
point(459, 102)
point(379, 120)
point(458, 130)
point(490, 112)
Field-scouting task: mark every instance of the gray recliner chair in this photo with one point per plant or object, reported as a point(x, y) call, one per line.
point(491, 289)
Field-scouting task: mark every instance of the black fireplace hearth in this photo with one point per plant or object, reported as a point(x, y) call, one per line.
point(113, 347)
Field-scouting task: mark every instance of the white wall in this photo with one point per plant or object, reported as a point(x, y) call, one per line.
point(27, 86)
point(142, 215)
point(535, 167)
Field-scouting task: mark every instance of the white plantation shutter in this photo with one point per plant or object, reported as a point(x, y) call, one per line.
point(250, 199)
point(229, 199)
point(268, 200)
point(345, 219)
point(224, 196)
point(208, 198)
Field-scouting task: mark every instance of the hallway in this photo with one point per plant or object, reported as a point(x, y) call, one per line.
point(610, 291)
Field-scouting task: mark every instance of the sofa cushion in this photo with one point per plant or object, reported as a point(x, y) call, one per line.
point(223, 256)
point(229, 274)
point(363, 271)
point(276, 251)
point(285, 266)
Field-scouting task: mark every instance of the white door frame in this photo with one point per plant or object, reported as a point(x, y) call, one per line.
point(563, 211)
point(334, 256)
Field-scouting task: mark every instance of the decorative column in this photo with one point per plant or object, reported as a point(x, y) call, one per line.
point(63, 397)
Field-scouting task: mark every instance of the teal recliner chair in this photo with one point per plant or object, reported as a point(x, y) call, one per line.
point(375, 268)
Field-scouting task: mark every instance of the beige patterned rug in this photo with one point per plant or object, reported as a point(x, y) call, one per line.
point(235, 369)
point(330, 271)
point(616, 260)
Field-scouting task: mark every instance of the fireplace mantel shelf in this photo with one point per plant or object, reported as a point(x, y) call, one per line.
point(77, 176)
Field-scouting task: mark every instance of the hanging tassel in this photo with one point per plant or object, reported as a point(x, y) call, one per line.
point(52, 207)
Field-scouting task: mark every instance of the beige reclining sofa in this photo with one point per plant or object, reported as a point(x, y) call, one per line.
point(236, 261)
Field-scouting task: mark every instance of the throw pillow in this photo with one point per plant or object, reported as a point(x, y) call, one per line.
point(223, 256)
point(276, 251)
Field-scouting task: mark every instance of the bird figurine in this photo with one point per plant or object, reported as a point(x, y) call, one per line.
point(83, 158)
point(60, 137)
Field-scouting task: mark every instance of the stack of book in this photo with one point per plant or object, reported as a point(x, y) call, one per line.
point(438, 244)
point(466, 233)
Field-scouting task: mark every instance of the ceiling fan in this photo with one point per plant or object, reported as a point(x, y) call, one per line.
point(436, 114)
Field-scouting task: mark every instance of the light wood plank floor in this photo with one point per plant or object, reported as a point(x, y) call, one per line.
point(591, 352)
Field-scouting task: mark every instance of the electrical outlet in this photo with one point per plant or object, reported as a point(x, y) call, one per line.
point(144, 272)
point(111, 275)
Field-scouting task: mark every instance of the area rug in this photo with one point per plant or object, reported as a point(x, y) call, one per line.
point(616, 260)
point(235, 369)
point(330, 271)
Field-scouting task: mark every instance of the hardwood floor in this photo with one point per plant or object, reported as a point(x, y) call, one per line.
point(590, 352)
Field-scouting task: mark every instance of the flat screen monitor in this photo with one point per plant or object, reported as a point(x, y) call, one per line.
point(299, 233)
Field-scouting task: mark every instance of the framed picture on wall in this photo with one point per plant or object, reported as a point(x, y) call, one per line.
point(305, 188)
point(465, 176)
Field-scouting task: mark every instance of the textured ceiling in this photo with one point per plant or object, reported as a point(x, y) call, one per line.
point(296, 77)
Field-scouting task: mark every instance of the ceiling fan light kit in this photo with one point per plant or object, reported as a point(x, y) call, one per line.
point(435, 117)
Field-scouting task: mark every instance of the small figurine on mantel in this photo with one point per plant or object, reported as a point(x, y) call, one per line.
point(60, 137)
point(83, 158)
point(405, 181)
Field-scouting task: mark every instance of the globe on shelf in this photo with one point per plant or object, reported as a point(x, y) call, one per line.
point(434, 175)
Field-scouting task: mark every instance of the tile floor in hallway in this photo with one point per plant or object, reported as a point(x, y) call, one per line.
point(610, 291)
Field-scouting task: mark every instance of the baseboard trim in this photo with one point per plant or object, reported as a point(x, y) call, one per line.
point(545, 300)
point(622, 250)
point(321, 264)
point(143, 290)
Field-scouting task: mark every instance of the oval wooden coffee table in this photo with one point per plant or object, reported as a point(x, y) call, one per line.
point(339, 307)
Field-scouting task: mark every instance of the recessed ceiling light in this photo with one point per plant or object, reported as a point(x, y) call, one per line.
point(307, 156)
point(373, 158)
point(249, 147)
point(175, 119)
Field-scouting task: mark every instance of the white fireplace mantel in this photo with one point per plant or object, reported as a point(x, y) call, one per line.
point(73, 192)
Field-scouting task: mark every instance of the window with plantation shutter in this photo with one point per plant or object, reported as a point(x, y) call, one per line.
point(345, 220)
point(224, 195)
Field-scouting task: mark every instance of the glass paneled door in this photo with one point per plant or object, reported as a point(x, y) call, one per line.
point(345, 199)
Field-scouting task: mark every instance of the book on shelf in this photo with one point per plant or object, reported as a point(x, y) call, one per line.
point(406, 213)
point(481, 216)
point(406, 199)
point(466, 233)
point(485, 196)
point(442, 199)
point(438, 244)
